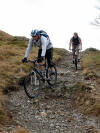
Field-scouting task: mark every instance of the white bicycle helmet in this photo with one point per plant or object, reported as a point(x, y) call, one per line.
point(34, 32)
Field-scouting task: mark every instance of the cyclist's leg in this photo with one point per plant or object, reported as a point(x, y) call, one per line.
point(73, 52)
point(39, 55)
point(78, 52)
point(39, 61)
point(51, 70)
point(49, 57)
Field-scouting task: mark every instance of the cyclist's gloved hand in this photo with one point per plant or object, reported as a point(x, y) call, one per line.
point(41, 58)
point(24, 60)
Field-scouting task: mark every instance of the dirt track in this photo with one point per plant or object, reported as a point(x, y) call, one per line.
point(54, 114)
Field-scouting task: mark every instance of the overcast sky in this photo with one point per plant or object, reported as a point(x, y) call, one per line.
point(59, 18)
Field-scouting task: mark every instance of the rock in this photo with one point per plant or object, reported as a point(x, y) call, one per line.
point(28, 101)
point(67, 95)
point(71, 119)
point(57, 127)
point(16, 77)
point(43, 114)
point(51, 125)
point(97, 75)
point(86, 78)
point(46, 97)
point(52, 116)
point(87, 102)
point(35, 101)
point(48, 107)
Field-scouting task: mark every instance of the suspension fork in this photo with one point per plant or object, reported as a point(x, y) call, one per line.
point(32, 80)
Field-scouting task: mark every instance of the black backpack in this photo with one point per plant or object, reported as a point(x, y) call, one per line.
point(43, 33)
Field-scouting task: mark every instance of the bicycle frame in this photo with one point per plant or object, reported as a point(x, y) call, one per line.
point(37, 71)
point(76, 54)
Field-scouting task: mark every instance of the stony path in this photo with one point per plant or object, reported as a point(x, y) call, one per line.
point(55, 113)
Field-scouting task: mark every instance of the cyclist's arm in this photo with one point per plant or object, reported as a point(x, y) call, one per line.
point(80, 44)
point(70, 43)
point(30, 44)
point(44, 45)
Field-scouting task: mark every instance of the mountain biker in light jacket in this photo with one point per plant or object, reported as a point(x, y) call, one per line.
point(41, 40)
point(76, 44)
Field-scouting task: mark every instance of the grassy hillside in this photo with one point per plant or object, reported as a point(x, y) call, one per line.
point(91, 64)
point(91, 70)
point(12, 70)
point(5, 36)
point(88, 96)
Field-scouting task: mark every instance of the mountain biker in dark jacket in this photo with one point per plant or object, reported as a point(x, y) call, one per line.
point(76, 44)
point(41, 40)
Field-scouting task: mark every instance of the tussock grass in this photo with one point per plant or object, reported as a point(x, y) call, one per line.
point(20, 130)
point(12, 68)
point(81, 86)
point(89, 101)
point(83, 99)
point(86, 98)
point(5, 36)
point(91, 64)
point(19, 43)
point(59, 54)
point(3, 113)
point(94, 109)
point(11, 65)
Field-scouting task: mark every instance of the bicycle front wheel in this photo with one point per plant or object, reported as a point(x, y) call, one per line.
point(32, 85)
point(76, 63)
point(52, 76)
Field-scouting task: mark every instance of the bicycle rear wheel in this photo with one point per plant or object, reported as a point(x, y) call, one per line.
point(76, 63)
point(32, 85)
point(52, 76)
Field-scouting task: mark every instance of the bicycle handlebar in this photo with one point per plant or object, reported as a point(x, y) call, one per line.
point(34, 62)
point(75, 49)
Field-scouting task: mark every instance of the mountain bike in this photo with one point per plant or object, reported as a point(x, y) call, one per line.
point(75, 60)
point(33, 81)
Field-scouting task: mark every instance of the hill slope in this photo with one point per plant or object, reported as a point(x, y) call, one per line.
point(61, 108)
point(5, 36)
point(75, 94)
point(12, 70)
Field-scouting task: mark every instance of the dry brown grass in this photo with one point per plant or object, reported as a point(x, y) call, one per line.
point(87, 98)
point(5, 36)
point(91, 64)
point(59, 54)
point(3, 114)
point(12, 70)
point(83, 98)
point(94, 109)
point(11, 67)
point(20, 130)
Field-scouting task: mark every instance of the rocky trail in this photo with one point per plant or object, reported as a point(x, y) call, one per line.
point(54, 113)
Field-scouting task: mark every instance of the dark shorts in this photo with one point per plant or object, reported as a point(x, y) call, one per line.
point(48, 56)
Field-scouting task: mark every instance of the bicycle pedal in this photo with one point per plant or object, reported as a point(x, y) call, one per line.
point(48, 79)
point(78, 60)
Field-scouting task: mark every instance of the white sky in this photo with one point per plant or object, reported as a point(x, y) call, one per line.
point(59, 18)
